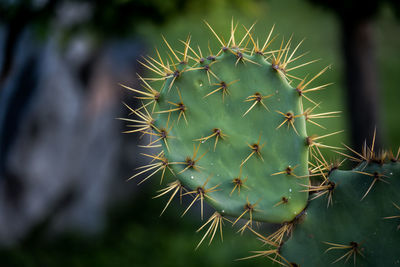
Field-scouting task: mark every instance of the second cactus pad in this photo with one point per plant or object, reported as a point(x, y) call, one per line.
point(232, 128)
point(360, 226)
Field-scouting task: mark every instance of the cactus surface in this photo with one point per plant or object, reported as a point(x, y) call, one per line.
point(231, 125)
point(228, 155)
point(360, 225)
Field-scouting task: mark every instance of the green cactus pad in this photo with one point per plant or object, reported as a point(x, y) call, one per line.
point(359, 228)
point(232, 127)
point(220, 114)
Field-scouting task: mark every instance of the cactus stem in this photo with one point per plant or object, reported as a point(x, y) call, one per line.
point(188, 68)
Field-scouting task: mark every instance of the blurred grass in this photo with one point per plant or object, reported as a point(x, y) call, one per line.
point(136, 235)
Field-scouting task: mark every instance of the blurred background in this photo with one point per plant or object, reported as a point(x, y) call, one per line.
point(64, 198)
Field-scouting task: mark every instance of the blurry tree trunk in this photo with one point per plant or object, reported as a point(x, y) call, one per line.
point(356, 19)
point(361, 77)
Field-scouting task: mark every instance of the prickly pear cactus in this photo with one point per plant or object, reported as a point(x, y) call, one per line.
point(356, 223)
point(231, 125)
